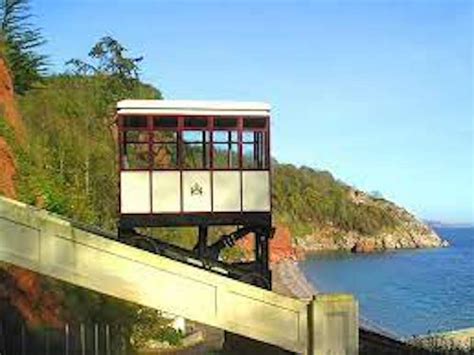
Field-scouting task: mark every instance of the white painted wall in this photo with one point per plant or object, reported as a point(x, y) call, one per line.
point(256, 191)
point(196, 191)
point(166, 192)
point(135, 192)
point(226, 189)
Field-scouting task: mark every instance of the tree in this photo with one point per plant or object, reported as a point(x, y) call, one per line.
point(109, 62)
point(71, 120)
point(20, 41)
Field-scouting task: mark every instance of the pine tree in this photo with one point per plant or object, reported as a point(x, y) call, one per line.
point(20, 41)
point(108, 61)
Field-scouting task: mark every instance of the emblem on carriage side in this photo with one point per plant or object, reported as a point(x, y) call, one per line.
point(196, 189)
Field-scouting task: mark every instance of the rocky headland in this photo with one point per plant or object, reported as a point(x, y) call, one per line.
point(406, 232)
point(408, 236)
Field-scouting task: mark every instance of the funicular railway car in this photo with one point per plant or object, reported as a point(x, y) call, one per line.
point(197, 164)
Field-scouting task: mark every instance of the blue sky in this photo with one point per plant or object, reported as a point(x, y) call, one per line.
point(378, 92)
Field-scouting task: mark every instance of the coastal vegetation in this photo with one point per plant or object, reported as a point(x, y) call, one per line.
point(305, 198)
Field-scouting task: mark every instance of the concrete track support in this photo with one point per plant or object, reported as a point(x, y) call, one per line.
point(40, 241)
point(333, 325)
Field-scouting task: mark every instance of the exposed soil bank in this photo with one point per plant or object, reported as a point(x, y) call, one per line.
point(19, 288)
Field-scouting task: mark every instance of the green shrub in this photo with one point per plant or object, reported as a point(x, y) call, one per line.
point(304, 198)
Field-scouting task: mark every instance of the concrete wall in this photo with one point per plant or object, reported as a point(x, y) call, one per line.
point(333, 324)
point(47, 244)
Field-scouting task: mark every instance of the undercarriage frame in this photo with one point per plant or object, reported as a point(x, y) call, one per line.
point(204, 255)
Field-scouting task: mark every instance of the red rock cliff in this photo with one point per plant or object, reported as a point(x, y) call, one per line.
point(9, 112)
point(20, 288)
point(281, 246)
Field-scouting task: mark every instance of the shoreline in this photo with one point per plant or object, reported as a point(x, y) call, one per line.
point(369, 246)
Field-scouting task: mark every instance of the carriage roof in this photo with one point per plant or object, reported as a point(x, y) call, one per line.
point(191, 107)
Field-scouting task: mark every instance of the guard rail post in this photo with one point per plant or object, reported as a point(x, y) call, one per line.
point(333, 325)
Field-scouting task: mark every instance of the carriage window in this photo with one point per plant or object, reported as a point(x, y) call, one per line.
point(195, 122)
point(248, 137)
point(225, 122)
point(225, 137)
point(135, 156)
point(135, 136)
point(195, 150)
point(135, 122)
point(165, 122)
point(255, 122)
point(164, 137)
point(254, 154)
point(248, 156)
point(188, 145)
point(225, 150)
point(164, 149)
point(164, 156)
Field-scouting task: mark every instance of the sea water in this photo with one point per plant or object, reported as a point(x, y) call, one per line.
point(408, 292)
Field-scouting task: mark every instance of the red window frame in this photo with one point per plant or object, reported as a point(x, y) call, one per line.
point(208, 153)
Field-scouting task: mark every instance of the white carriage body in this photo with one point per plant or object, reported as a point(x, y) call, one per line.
point(208, 186)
